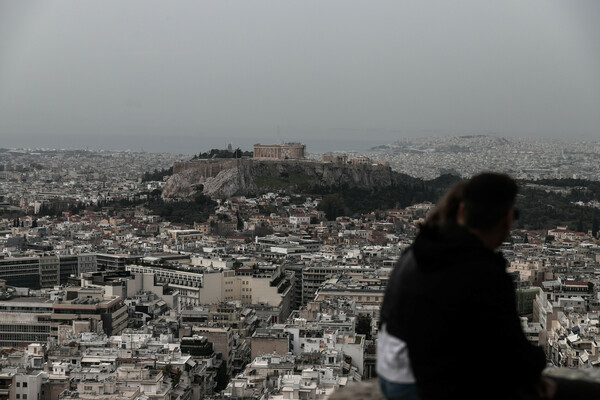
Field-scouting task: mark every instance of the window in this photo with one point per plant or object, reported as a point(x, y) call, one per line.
point(24, 384)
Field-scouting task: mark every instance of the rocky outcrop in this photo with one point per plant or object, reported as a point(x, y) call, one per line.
point(251, 177)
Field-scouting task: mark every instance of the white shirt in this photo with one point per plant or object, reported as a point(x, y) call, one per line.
point(392, 358)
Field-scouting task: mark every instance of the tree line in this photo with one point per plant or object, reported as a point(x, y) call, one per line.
point(220, 153)
point(157, 175)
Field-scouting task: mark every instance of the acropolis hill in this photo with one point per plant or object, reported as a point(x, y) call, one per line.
point(246, 176)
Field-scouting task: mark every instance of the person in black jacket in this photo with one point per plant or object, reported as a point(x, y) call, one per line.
point(451, 303)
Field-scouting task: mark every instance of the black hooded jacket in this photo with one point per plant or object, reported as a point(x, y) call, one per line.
point(451, 300)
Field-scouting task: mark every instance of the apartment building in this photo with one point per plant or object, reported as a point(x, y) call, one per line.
point(91, 306)
point(21, 271)
point(266, 285)
point(368, 291)
point(221, 339)
point(111, 262)
point(28, 386)
point(24, 320)
point(314, 276)
point(188, 284)
point(44, 271)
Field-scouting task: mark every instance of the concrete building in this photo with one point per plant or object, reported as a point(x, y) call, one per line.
point(197, 346)
point(24, 320)
point(49, 271)
point(300, 219)
point(265, 341)
point(187, 284)
point(7, 386)
point(240, 318)
point(91, 306)
point(45, 271)
point(21, 271)
point(251, 286)
point(361, 288)
point(212, 262)
point(221, 339)
point(86, 263)
point(28, 386)
point(110, 262)
point(266, 370)
point(149, 382)
point(314, 276)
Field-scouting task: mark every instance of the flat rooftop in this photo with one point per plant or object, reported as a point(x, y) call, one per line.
point(27, 300)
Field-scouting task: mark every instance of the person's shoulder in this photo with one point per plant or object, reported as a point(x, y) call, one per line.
point(490, 273)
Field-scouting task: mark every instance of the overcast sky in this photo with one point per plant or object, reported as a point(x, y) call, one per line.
point(304, 70)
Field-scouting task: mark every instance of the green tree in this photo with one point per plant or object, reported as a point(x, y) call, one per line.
point(240, 221)
point(262, 230)
point(332, 205)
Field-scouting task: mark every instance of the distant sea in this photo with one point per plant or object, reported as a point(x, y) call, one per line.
point(178, 144)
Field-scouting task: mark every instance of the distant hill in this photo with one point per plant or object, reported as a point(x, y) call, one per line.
point(354, 189)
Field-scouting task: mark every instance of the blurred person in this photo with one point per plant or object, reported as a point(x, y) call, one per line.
point(449, 320)
point(396, 379)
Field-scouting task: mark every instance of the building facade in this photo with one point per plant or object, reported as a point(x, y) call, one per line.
point(24, 320)
point(279, 151)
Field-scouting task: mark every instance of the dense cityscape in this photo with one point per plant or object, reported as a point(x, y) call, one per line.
point(104, 296)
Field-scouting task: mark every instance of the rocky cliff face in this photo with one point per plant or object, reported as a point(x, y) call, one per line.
point(255, 176)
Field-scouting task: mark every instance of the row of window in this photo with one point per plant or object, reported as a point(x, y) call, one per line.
point(163, 279)
point(27, 309)
point(11, 338)
point(167, 274)
point(24, 328)
point(20, 268)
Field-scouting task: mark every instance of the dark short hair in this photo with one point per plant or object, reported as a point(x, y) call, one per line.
point(487, 198)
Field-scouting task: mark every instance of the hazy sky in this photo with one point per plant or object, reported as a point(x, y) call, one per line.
point(97, 72)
